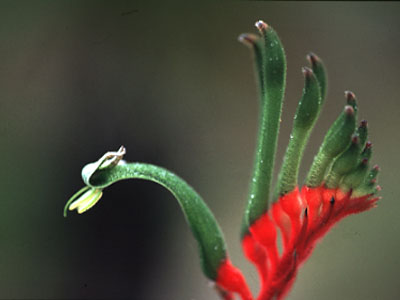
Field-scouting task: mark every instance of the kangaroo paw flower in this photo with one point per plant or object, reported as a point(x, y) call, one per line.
point(337, 185)
point(340, 181)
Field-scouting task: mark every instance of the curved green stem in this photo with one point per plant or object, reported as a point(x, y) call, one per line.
point(109, 169)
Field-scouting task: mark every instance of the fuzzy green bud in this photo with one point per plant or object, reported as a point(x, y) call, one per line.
point(304, 120)
point(335, 142)
point(344, 164)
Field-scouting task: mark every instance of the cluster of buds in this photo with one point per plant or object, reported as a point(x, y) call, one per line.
point(340, 181)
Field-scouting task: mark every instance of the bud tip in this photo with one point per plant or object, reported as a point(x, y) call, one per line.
point(261, 25)
point(312, 58)
point(349, 110)
point(363, 123)
point(355, 139)
point(248, 39)
point(350, 96)
point(307, 71)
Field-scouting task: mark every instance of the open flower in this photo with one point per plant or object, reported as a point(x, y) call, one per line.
point(88, 196)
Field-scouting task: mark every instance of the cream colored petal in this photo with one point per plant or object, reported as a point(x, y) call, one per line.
point(82, 199)
point(90, 202)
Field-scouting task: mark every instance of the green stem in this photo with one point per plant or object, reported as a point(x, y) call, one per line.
point(288, 176)
point(199, 217)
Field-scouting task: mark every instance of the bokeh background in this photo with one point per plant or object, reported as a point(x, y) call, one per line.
point(172, 84)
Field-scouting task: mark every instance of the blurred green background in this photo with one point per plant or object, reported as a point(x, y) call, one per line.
point(173, 85)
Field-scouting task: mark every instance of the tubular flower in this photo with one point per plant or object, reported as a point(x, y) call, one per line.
point(340, 181)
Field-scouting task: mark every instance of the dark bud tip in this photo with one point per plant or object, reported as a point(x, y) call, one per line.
point(364, 161)
point(355, 139)
point(350, 96)
point(332, 201)
point(261, 26)
point(312, 58)
point(248, 39)
point(376, 168)
point(368, 145)
point(363, 123)
point(307, 72)
point(349, 110)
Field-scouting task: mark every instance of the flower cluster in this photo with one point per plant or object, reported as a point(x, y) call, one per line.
point(339, 182)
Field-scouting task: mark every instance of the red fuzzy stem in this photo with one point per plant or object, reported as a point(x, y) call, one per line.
point(257, 255)
point(283, 222)
point(231, 280)
point(303, 218)
point(293, 205)
point(263, 232)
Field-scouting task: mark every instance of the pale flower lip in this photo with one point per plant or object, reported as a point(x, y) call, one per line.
point(108, 160)
point(87, 200)
point(88, 196)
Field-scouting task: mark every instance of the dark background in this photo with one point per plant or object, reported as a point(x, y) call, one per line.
point(173, 85)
